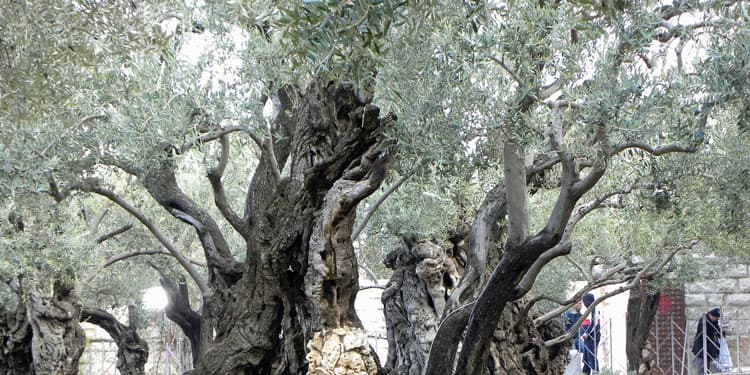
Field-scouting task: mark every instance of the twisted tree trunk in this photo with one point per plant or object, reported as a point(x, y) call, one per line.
point(292, 309)
point(132, 351)
point(15, 338)
point(424, 277)
point(58, 340)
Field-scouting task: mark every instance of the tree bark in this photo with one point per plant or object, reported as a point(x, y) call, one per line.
point(424, 275)
point(132, 351)
point(298, 288)
point(179, 311)
point(58, 340)
point(15, 339)
point(642, 307)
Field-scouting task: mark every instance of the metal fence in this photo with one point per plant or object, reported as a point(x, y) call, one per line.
point(679, 338)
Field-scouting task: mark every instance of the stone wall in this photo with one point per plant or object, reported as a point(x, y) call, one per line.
point(727, 287)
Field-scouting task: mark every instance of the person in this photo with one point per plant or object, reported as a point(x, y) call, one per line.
point(569, 319)
point(589, 335)
point(708, 333)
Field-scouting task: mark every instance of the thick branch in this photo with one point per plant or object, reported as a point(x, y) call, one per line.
point(220, 197)
point(179, 311)
point(446, 340)
point(515, 190)
point(106, 321)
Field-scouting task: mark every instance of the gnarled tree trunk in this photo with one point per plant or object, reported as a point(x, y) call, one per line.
point(132, 351)
point(424, 276)
point(57, 338)
point(292, 309)
point(15, 338)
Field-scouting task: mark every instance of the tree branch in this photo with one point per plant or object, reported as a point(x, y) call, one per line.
point(92, 224)
point(156, 233)
point(216, 134)
point(268, 154)
point(515, 190)
point(510, 71)
point(114, 233)
point(564, 246)
point(377, 204)
point(653, 150)
point(122, 256)
point(220, 198)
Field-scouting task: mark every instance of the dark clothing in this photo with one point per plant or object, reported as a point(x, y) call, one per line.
point(713, 333)
point(589, 334)
point(569, 319)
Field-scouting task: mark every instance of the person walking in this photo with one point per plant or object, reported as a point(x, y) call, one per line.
point(589, 335)
point(706, 343)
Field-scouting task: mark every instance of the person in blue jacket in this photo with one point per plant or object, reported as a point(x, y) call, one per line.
point(708, 331)
point(589, 335)
point(570, 318)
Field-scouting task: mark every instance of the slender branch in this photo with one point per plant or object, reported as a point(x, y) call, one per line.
point(372, 287)
point(564, 246)
point(377, 204)
point(524, 286)
point(122, 165)
point(94, 223)
point(122, 256)
point(217, 134)
point(509, 71)
point(633, 280)
point(114, 233)
point(271, 157)
point(576, 265)
point(84, 120)
point(197, 278)
point(654, 150)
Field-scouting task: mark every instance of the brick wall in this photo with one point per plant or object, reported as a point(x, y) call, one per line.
point(668, 329)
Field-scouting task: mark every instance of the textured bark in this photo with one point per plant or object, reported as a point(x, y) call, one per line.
point(424, 275)
point(132, 351)
point(301, 276)
point(15, 339)
point(642, 307)
point(57, 338)
point(518, 347)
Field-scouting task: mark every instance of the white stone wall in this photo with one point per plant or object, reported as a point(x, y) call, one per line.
point(727, 287)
